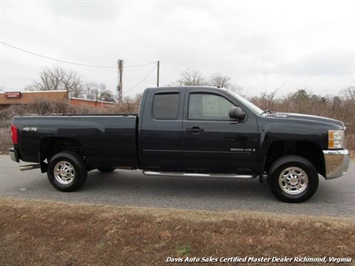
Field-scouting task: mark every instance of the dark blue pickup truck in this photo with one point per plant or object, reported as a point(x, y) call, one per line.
point(187, 131)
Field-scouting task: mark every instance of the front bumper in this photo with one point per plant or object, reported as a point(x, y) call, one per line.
point(14, 155)
point(336, 163)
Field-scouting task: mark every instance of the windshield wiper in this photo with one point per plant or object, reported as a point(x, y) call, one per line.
point(267, 111)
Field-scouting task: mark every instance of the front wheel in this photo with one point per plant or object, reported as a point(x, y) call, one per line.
point(66, 171)
point(293, 179)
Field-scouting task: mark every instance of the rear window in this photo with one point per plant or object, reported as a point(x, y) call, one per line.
point(166, 106)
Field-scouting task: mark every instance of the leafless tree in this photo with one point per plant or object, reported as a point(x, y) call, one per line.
point(57, 78)
point(105, 94)
point(348, 94)
point(92, 91)
point(191, 77)
point(98, 92)
point(220, 80)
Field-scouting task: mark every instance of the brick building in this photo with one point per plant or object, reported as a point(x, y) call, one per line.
point(97, 104)
point(10, 98)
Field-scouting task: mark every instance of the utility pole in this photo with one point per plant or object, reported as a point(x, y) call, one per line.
point(158, 72)
point(119, 86)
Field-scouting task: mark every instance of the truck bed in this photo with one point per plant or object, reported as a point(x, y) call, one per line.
point(107, 140)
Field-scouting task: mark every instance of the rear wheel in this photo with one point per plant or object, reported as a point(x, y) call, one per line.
point(66, 171)
point(293, 179)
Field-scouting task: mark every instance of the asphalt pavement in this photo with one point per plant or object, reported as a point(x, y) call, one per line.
point(131, 188)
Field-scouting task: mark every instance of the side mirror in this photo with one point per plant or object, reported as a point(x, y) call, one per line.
point(237, 113)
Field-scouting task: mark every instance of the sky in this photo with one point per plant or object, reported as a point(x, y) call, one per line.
point(261, 45)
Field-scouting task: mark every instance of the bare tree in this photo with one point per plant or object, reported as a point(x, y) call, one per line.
point(220, 80)
point(98, 92)
point(191, 77)
point(92, 91)
point(57, 78)
point(74, 84)
point(105, 94)
point(348, 94)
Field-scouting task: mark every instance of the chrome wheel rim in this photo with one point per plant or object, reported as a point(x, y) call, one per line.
point(64, 172)
point(293, 180)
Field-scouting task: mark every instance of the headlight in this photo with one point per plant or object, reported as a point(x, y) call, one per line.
point(335, 139)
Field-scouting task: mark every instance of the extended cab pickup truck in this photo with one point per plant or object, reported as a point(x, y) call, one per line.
point(187, 131)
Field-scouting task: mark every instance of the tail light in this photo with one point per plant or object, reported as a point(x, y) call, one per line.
point(14, 134)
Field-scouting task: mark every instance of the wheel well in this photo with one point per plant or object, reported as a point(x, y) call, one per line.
point(308, 150)
point(52, 146)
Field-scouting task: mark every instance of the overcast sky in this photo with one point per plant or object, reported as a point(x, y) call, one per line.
point(259, 44)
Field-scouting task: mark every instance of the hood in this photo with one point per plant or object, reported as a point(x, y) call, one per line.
point(306, 118)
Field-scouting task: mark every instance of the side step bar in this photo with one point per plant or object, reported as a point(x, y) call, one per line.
point(233, 176)
point(29, 167)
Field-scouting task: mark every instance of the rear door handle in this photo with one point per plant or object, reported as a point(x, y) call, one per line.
point(195, 130)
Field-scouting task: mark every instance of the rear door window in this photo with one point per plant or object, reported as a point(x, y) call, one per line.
point(166, 106)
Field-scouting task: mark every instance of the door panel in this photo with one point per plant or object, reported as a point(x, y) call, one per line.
point(212, 141)
point(160, 135)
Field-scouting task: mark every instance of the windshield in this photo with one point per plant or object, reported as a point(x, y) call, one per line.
point(252, 107)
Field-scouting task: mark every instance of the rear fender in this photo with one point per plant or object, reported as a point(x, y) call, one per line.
point(51, 146)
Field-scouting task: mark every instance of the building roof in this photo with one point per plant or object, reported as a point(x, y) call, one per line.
point(30, 96)
point(92, 103)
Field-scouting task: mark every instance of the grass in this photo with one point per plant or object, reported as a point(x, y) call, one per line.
point(48, 233)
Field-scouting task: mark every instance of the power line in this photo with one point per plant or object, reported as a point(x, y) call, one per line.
point(54, 59)
point(150, 72)
point(68, 62)
point(141, 65)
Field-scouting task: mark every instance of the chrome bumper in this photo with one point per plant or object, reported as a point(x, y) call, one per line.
point(336, 163)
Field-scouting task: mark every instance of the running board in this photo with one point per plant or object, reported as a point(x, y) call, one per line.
point(29, 167)
point(232, 176)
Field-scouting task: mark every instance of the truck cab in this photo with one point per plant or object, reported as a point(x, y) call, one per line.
point(191, 130)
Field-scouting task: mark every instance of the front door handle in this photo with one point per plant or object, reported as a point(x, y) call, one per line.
point(195, 130)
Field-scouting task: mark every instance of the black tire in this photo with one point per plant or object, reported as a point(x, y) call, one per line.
point(293, 179)
point(106, 169)
point(66, 171)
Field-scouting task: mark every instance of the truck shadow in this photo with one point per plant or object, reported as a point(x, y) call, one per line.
point(132, 188)
point(134, 182)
